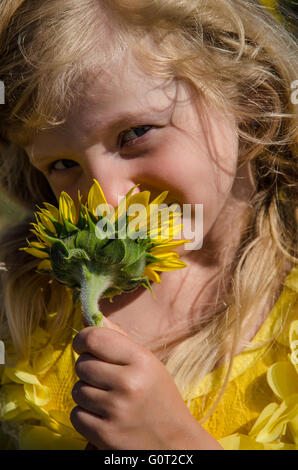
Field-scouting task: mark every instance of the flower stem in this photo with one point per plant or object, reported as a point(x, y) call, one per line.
point(93, 284)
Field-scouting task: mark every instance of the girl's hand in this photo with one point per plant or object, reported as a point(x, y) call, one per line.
point(127, 399)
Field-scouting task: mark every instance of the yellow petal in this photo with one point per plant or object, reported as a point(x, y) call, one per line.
point(293, 427)
point(263, 419)
point(240, 442)
point(163, 217)
point(165, 233)
point(45, 265)
point(293, 339)
point(142, 199)
point(283, 379)
point(162, 250)
point(46, 222)
point(53, 211)
point(42, 438)
point(41, 236)
point(151, 275)
point(13, 403)
point(139, 198)
point(171, 244)
point(123, 205)
point(67, 208)
point(96, 197)
point(276, 425)
point(62, 418)
point(36, 253)
point(151, 209)
point(43, 360)
point(37, 394)
point(38, 245)
point(160, 199)
point(167, 265)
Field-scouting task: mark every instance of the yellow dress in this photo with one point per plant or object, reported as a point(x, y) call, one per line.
point(259, 409)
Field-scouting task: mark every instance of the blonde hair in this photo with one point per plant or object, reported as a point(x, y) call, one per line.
point(230, 51)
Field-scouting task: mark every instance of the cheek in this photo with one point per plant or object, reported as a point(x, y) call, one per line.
point(197, 178)
point(193, 175)
point(70, 184)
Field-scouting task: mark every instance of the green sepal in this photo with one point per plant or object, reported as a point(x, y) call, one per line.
point(133, 252)
point(81, 223)
point(135, 269)
point(98, 248)
point(44, 271)
point(59, 254)
point(151, 259)
point(86, 241)
point(108, 234)
point(78, 254)
point(123, 226)
point(146, 284)
point(56, 224)
point(112, 291)
point(70, 228)
point(91, 224)
point(113, 252)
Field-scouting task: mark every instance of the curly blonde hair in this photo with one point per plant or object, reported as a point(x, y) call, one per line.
point(231, 51)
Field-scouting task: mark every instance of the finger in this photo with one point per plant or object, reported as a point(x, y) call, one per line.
point(106, 344)
point(90, 426)
point(92, 399)
point(90, 446)
point(113, 326)
point(96, 373)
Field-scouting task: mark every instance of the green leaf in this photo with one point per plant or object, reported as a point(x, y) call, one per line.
point(91, 224)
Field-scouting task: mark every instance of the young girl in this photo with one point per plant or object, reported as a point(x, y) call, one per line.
point(195, 98)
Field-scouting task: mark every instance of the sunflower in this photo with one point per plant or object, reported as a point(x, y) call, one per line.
point(99, 251)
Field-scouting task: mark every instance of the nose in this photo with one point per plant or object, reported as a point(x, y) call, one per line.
point(115, 179)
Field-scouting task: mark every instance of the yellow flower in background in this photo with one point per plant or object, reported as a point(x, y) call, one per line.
point(277, 425)
point(100, 251)
point(272, 7)
point(284, 11)
point(278, 418)
point(35, 397)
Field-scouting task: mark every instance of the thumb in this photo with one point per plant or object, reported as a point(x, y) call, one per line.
point(113, 326)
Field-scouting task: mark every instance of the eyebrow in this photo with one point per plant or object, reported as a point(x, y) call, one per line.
point(129, 118)
point(124, 118)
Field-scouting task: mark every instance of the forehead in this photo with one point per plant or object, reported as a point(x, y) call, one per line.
point(121, 88)
point(112, 98)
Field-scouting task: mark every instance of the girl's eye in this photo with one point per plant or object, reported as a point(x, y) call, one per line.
point(63, 164)
point(128, 137)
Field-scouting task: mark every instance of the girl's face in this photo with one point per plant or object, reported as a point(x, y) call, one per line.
point(130, 128)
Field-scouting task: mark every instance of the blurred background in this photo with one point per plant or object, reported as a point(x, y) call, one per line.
point(10, 212)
